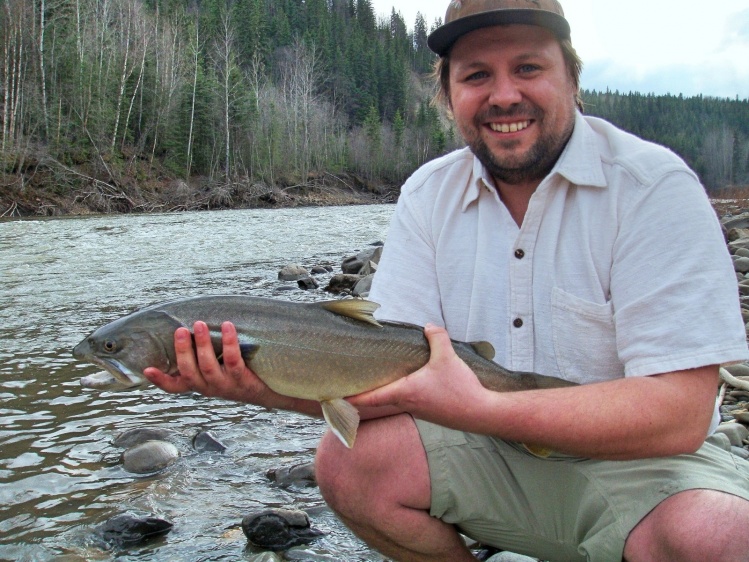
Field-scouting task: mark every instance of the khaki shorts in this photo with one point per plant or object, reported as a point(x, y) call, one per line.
point(561, 507)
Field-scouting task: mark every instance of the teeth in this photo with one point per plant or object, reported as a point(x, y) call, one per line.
point(509, 127)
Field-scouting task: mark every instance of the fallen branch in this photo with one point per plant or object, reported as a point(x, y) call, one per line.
point(10, 211)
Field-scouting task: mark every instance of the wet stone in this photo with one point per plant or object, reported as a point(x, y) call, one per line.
point(299, 474)
point(149, 457)
point(207, 442)
point(138, 435)
point(126, 530)
point(279, 529)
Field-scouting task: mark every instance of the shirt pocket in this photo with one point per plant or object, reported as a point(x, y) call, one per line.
point(584, 338)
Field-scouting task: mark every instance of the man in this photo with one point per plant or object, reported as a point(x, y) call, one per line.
point(580, 252)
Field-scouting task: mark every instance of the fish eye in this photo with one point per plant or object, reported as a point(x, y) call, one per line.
point(110, 346)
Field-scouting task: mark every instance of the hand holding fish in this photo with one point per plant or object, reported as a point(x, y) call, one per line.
point(201, 371)
point(444, 391)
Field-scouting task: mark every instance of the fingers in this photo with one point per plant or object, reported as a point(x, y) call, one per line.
point(234, 364)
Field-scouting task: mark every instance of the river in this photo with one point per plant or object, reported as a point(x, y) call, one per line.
point(60, 474)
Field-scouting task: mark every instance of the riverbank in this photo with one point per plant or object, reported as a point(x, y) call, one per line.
point(47, 187)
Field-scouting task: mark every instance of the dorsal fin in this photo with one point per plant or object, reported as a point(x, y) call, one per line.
point(483, 348)
point(358, 309)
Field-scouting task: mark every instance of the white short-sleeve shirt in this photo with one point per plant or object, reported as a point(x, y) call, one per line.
point(619, 269)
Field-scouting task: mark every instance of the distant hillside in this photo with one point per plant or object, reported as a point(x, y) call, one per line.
point(711, 134)
point(130, 105)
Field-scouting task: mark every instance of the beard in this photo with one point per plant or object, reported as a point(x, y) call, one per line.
point(533, 165)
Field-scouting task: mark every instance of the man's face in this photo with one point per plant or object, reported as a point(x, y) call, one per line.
point(513, 99)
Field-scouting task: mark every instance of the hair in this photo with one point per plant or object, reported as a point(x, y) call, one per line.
point(441, 74)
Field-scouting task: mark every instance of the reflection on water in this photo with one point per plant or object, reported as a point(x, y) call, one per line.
point(59, 472)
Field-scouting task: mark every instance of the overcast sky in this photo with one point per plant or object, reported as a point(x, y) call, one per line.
point(648, 46)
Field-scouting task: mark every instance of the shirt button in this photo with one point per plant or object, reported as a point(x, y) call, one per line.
point(518, 322)
point(519, 254)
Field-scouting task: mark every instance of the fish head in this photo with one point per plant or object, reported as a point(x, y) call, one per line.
point(127, 346)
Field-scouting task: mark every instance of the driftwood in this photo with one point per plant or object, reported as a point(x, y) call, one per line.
point(729, 379)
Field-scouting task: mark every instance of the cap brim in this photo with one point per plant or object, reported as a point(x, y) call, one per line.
point(443, 37)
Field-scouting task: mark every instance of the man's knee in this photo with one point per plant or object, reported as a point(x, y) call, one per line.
point(693, 525)
point(386, 465)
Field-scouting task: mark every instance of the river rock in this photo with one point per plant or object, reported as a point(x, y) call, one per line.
point(206, 442)
point(735, 432)
point(126, 529)
point(363, 286)
point(307, 284)
point(741, 264)
point(740, 452)
point(354, 264)
point(736, 234)
point(736, 245)
point(302, 474)
point(292, 272)
point(279, 529)
point(737, 221)
point(342, 283)
point(149, 457)
point(137, 435)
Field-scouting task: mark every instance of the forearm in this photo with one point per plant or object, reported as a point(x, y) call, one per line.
point(623, 419)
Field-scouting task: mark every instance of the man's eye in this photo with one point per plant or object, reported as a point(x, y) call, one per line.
point(477, 76)
point(526, 68)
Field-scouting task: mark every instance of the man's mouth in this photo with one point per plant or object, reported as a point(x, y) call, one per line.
point(509, 127)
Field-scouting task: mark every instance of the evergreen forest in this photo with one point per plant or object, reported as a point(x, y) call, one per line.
point(135, 102)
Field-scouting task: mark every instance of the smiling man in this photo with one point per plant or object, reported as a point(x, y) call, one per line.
point(578, 251)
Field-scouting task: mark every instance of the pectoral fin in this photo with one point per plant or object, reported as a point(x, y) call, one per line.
point(483, 348)
point(342, 418)
point(538, 450)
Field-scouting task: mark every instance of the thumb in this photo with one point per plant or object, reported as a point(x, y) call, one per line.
point(440, 345)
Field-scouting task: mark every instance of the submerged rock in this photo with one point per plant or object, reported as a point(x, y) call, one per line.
point(285, 476)
point(126, 530)
point(149, 457)
point(279, 529)
point(206, 442)
point(138, 435)
point(292, 272)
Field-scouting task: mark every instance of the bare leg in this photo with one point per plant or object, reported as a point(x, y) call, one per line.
point(695, 525)
point(381, 490)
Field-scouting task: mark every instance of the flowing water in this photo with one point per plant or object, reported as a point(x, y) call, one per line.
point(60, 474)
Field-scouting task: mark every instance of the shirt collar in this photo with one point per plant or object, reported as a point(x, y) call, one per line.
point(579, 163)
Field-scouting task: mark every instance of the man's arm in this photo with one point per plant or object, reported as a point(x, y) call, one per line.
point(639, 417)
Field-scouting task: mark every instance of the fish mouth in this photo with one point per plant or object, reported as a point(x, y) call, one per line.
point(117, 370)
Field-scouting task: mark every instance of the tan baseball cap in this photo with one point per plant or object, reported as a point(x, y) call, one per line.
point(467, 15)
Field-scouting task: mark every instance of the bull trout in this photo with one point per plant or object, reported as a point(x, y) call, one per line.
point(321, 351)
